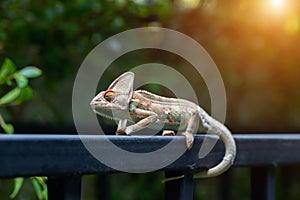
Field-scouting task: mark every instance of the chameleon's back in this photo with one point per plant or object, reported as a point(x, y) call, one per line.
point(170, 111)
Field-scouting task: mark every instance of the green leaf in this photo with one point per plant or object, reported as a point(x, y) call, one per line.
point(38, 188)
point(21, 80)
point(42, 179)
point(31, 72)
point(10, 96)
point(8, 67)
point(45, 194)
point(18, 182)
point(9, 82)
point(42, 182)
point(25, 95)
point(8, 128)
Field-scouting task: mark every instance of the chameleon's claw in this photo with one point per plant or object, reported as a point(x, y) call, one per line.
point(121, 132)
point(189, 139)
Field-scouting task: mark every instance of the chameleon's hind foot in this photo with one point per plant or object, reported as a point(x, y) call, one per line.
point(121, 132)
point(168, 133)
point(189, 139)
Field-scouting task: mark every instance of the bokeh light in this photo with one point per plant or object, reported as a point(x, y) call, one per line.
point(291, 25)
point(188, 4)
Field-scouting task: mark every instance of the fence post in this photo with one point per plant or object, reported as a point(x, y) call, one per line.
point(179, 189)
point(263, 183)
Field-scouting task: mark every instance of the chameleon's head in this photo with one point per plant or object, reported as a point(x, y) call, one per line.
point(113, 102)
point(107, 104)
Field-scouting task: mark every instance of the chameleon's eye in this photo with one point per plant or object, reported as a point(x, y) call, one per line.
point(109, 96)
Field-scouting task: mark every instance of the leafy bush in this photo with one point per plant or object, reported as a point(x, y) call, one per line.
point(15, 85)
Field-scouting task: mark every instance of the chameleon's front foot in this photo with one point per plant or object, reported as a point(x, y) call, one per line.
point(189, 139)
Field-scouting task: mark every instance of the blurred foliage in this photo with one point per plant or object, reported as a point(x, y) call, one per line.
point(39, 186)
point(15, 83)
point(254, 44)
point(14, 87)
point(57, 36)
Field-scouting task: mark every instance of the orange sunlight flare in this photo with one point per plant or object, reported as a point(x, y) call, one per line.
point(276, 3)
point(284, 13)
point(277, 6)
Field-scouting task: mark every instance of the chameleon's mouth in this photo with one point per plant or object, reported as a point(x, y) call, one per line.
point(93, 105)
point(103, 115)
point(104, 112)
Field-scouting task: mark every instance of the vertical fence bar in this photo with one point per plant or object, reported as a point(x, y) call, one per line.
point(187, 187)
point(263, 183)
point(179, 189)
point(64, 188)
point(172, 188)
point(226, 185)
point(102, 187)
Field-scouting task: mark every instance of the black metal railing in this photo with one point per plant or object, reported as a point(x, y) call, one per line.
point(64, 160)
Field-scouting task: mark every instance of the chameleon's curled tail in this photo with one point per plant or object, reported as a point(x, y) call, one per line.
point(215, 127)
